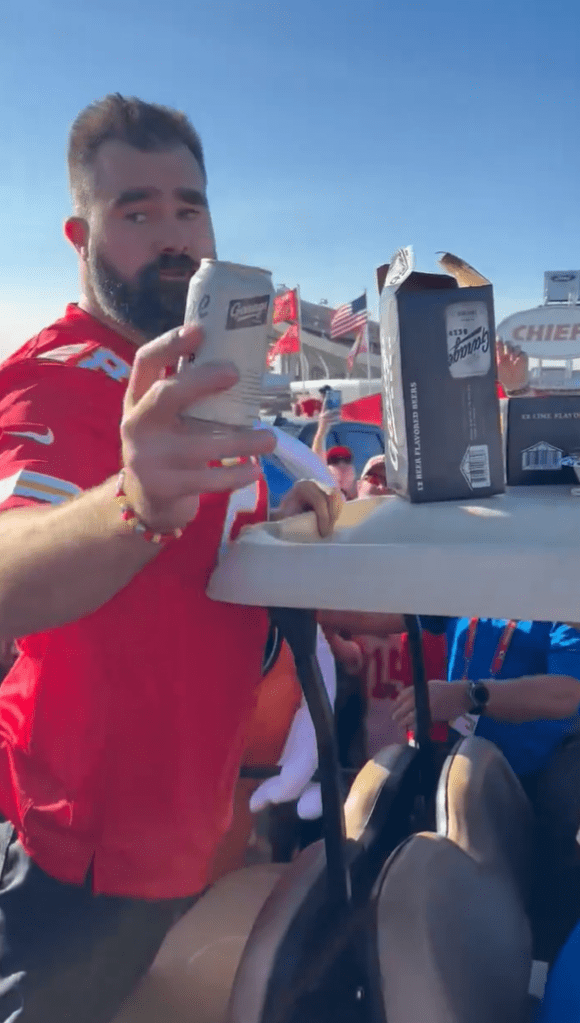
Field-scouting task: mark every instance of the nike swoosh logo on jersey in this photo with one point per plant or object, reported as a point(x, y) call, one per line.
point(40, 438)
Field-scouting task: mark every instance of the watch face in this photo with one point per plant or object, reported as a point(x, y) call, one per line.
point(480, 693)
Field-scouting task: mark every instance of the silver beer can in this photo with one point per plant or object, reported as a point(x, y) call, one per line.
point(233, 304)
point(468, 339)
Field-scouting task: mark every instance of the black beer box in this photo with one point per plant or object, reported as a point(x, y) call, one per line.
point(540, 433)
point(442, 421)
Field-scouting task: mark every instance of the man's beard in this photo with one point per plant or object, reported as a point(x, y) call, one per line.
point(150, 305)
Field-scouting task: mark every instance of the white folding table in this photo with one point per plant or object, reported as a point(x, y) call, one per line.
point(516, 555)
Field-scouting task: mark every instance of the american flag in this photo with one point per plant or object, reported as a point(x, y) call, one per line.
point(349, 318)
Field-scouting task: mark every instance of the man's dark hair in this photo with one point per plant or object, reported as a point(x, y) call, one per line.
point(146, 126)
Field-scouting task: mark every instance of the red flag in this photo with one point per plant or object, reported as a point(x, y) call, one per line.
point(285, 308)
point(364, 410)
point(287, 344)
point(289, 341)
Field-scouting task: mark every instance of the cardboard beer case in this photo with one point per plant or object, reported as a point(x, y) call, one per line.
point(542, 433)
point(442, 420)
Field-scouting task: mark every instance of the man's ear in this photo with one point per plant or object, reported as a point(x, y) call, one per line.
point(76, 231)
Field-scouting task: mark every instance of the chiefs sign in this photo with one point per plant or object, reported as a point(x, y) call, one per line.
point(546, 332)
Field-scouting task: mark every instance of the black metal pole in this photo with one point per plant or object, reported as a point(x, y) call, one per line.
point(299, 627)
point(422, 708)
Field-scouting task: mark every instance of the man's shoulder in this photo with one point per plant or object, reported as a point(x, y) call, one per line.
point(74, 341)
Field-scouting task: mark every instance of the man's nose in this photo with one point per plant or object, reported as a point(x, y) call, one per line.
point(174, 237)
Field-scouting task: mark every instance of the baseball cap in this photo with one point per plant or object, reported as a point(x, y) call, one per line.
point(337, 453)
point(372, 464)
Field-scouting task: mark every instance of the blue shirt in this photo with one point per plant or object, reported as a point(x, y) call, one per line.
point(561, 1002)
point(536, 648)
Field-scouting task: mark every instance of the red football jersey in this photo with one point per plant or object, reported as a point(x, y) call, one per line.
point(387, 671)
point(121, 733)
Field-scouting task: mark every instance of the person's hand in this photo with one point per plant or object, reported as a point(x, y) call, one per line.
point(447, 700)
point(347, 651)
point(309, 495)
point(327, 419)
point(166, 455)
point(512, 367)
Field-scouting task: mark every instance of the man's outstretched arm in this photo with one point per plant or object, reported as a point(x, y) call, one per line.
point(60, 563)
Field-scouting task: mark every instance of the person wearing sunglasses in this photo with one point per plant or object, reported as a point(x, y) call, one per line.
point(373, 480)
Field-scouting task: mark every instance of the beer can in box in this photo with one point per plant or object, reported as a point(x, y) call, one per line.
point(233, 303)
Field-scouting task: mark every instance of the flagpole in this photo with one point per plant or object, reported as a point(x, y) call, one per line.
point(367, 340)
point(299, 322)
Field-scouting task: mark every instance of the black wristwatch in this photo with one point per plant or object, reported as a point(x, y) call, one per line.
point(479, 696)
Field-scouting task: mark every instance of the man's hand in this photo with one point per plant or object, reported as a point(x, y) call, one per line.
point(447, 700)
point(512, 367)
point(308, 495)
point(166, 454)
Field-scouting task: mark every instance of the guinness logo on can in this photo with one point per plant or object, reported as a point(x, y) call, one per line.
point(247, 312)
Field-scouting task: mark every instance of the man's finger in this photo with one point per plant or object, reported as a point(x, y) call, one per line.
point(195, 450)
point(170, 398)
point(153, 358)
point(320, 507)
point(211, 480)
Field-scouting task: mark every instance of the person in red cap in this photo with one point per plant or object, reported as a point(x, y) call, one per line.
point(373, 479)
point(340, 464)
point(338, 459)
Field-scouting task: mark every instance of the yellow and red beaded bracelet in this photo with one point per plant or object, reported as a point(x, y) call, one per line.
point(129, 515)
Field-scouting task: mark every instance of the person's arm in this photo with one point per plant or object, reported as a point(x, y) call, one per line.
point(352, 623)
point(319, 442)
point(516, 700)
point(60, 563)
point(533, 698)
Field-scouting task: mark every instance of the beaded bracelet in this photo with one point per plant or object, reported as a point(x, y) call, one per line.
point(129, 515)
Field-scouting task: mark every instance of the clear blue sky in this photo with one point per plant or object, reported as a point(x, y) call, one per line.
point(334, 132)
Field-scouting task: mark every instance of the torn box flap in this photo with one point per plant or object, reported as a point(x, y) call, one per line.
point(394, 273)
point(400, 274)
point(465, 275)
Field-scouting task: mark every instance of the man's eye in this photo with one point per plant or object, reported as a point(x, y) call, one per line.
point(188, 214)
point(136, 218)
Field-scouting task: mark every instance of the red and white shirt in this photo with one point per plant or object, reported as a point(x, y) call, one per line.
point(121, 733)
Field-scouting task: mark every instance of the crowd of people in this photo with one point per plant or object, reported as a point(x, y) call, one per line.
point(124, 717)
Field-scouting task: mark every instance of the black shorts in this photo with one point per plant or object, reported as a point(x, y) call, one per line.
point(66, 955)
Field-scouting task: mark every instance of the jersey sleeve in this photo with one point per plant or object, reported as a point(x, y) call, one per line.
point(564, 651)
point(59, 434)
